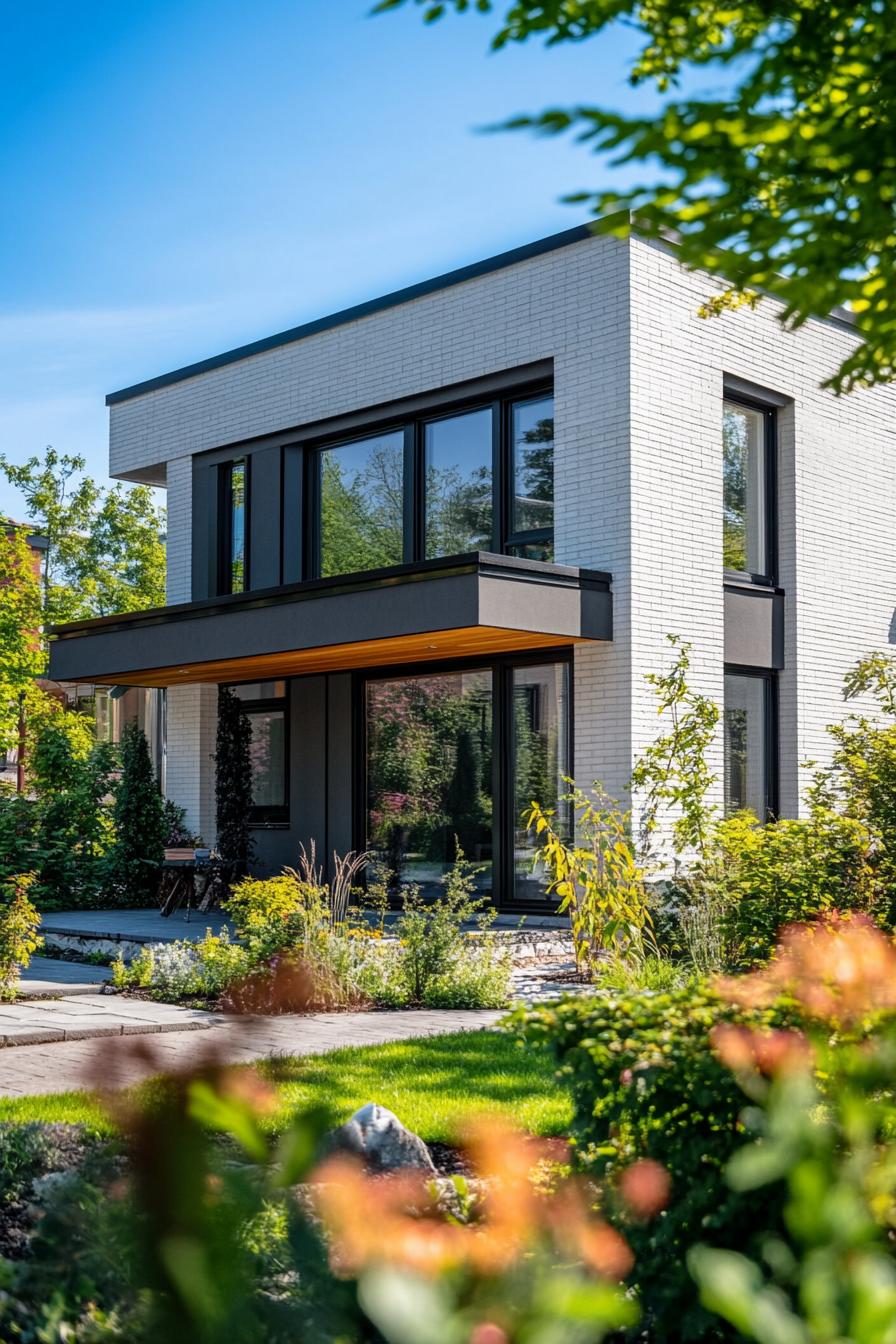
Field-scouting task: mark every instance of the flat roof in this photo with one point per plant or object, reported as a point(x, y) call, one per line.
point(579, 234)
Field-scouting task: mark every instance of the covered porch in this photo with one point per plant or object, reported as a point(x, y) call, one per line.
point(411, 711)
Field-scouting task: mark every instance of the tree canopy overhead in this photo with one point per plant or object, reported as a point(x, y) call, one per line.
point(785, 182)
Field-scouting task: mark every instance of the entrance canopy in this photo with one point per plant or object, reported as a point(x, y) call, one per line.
point(457, 606)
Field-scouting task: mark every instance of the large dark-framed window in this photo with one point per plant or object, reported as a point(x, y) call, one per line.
point(266, 705)
point(233, 531)
point(448, 755)
point(749, 489)
point(750, 725)
point(479, 476)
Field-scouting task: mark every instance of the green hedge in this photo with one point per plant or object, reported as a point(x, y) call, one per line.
point(646, 1083)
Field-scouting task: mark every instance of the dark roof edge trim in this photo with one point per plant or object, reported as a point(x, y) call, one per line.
point(580, 234)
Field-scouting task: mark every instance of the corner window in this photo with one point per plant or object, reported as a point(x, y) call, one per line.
point(233, 570)
point(265, 705)
point(750, 732)
point(478, 479)
point(748, 497)
point(532, 476)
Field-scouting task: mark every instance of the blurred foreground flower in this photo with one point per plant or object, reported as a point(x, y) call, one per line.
point(839, 970)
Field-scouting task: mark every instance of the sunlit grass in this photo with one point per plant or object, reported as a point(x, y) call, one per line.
point(431, 1084)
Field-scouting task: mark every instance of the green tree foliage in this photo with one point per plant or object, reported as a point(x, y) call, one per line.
point(133, 862)
point(19, 922)
point(21, 655)
point(233, 783)
point(362, 512)
point(105, 549)
point(783, 181)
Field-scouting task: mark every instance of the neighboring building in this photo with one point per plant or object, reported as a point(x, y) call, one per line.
point(399, 532)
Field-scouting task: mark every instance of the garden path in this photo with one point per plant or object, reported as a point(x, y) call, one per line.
point(118, 1061)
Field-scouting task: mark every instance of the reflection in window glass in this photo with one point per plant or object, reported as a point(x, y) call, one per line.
point(238, 527)
point(362, 505)
point(459, 484)
point(540, 763)
point(429, 775)
point(533, 466)
point(260, 690)
point(744, 506)
point(267, 757)
point(746, 771)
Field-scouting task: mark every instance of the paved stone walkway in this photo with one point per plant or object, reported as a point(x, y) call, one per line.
point(120, 1061)
point(47, 975)
point(81, 1017)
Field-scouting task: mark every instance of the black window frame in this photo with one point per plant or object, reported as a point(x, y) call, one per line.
point(225, 528)
point(770, 465)
point(503, 818)
point(413, 429)
point(272, 816)
point(771, 741)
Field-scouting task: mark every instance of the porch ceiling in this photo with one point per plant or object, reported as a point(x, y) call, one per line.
point(462, 606)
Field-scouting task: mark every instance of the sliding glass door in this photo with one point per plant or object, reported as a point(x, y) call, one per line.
point(451, 760)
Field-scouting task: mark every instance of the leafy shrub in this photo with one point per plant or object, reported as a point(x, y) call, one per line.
point(646, 1084)
point(437, 961)
point(786, 872)
point(25, 1152)
point(19, 922)
point(277, 914)
point(177, 969)
point(233, 783)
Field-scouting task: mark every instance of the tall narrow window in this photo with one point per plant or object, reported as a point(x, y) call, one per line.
point(532, 479)
point(459, 484)
point(236, 570)
point(746, 451)
point(749, 744)
point(361, 490)
point(540, 763)
point(264, 704)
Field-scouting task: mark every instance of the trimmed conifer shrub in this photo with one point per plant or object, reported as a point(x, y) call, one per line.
point(233, 784)
point(136, 855)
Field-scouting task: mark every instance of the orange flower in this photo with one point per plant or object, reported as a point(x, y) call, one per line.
point(840, 969)
point(768, 1052)
point(645, 1187)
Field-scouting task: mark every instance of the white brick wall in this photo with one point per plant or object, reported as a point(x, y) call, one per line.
point(837, 492)
point(192, 718)
point(638, 391)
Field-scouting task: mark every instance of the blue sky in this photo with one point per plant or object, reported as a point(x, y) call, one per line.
point(182, 176)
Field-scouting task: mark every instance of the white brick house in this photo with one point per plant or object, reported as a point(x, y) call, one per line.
point(318, 483)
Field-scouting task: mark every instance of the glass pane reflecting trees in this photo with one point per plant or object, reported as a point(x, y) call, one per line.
point(459, 484)
point(429, 774)
point(362, 504)
point(533, 470)
point(746, 764)
point(540, 762)
point(744, 489)
point(237, 558)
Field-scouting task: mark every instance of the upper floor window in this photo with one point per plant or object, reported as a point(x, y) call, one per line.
point(478, 479)
point(233, 567)
point(748, 497)
point(360, 487)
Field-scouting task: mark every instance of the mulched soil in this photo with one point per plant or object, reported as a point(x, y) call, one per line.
point(69, 1147)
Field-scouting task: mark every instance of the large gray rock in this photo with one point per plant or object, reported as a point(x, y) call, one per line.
point(381, 1141)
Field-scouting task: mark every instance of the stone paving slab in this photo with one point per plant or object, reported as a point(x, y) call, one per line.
point(112, 1063)
point(49, 976)
point(30, 1021)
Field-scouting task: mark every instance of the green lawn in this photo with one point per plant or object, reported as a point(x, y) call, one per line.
point(429, 1084)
